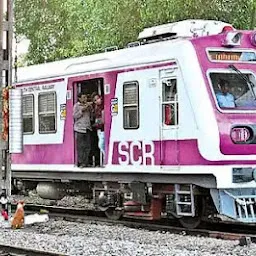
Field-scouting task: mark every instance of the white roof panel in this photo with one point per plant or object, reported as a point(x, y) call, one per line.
point(186, 28)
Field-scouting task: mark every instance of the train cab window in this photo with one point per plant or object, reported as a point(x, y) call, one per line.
point(131, 105)
point(47, 112)
point(28, 114)
point(169, 102)
point(232, 91)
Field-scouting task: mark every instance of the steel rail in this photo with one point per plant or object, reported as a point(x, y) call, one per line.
point(13, 250)
point(225, 232)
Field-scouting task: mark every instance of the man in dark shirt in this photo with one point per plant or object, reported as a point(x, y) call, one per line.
point(94, 158)
point(99, 121)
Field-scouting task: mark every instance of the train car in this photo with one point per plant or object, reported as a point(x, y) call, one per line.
point(179, 125)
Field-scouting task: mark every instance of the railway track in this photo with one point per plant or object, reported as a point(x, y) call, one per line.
point(7, 250)
point(227, 232)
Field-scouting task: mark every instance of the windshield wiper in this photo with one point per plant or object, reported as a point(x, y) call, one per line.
point(245, 78)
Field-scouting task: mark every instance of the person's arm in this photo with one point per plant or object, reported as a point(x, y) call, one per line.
point(77, 111)
point(234, 100)
point(88, 106)
point(219, 100)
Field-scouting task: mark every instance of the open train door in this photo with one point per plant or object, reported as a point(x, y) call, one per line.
point(88, 87)
point(169, 115)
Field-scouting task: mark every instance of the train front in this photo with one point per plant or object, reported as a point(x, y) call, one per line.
point(227, 123)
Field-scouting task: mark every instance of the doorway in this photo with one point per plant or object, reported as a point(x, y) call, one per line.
point(169, 117)
point(91, 87)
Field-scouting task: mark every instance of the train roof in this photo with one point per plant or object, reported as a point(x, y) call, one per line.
point(152, 38)
point(96, 63)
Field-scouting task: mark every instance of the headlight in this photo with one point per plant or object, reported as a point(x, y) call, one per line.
point(241, 134)
point(232, 38)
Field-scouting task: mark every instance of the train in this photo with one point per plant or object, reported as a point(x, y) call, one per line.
point(179, 125)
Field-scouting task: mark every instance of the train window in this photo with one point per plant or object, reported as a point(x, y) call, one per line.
point(233, 92)
point(131, 105)
point(28, 113)
point(169, 102)
point(47, 112)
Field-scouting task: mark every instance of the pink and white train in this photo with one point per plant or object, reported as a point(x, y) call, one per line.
point(172, 150)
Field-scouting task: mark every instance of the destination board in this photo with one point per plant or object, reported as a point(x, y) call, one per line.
point(234, 56)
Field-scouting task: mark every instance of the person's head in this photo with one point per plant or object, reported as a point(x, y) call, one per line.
point(224, 86)
point(89, 98)
point(97, 99)
point(93, 95)
point(82, 98)
point(19, 185)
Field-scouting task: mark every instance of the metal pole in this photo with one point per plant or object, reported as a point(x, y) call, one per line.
point(6, 35)
point(9, 39)
point(1, 40)
point(1, 84)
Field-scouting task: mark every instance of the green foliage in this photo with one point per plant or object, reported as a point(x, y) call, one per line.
point(111, 23)
point(55, 28)
point(60, 29)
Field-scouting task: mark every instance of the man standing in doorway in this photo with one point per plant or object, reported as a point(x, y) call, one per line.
point(82, 127)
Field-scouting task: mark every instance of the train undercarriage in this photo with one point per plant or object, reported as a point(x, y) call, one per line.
point(190, 199)
point(187, 203)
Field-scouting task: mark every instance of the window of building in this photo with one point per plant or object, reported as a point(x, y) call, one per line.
point(169, 102)
point(131, 105)
point(47, 112)
point(28, 114)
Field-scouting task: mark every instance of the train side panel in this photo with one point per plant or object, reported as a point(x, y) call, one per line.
point(45, 124)
point(155, 141)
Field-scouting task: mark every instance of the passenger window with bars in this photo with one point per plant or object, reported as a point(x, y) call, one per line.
point(170, 102)
point(47, 112)
point(131, 105)
point(28, 114)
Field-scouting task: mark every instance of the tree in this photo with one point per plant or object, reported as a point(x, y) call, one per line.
point(60, 29)
point(236, 12)
point(253, 15)
point(55, 28)
point(111, 22)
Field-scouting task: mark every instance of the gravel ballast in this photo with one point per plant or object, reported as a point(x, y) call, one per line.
point(101, 239)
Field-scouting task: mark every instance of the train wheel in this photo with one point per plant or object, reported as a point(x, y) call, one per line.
point(113, 214)
point(194, 222)
point(190, 222)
